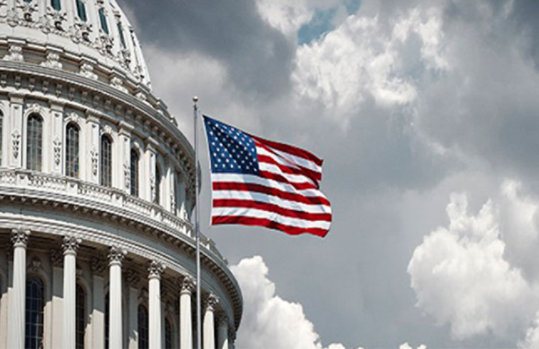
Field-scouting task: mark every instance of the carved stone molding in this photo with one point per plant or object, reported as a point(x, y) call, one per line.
point(57, 146)
point(116, 255)
point(70, 244)
point(87, 70)
point(127, 176)
point(35, 265)
point(155, 269)
point(132, 278)
point(210, 302)
point(53, 61)
point(57, 258)
point(95, 158)
point(19, 237)
point(98, 265)
point(16, 142)
point(15, 53)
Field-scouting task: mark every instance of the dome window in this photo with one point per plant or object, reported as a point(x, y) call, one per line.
point(34, 142)
point(106, 161)
point(121, 34)
point(1, 130)
point(81, 10)
point(142, 327)
point(134, 172)
point(72, 150)
point(56, 4)
point(103, 21)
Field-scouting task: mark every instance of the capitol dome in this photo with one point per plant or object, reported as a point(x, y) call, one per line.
point(96, 191)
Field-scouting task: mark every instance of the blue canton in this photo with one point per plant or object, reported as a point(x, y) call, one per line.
point(231, 150)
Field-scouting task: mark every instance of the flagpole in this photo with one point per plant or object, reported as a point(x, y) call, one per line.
point(197, 211)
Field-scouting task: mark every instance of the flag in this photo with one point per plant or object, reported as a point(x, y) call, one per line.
point(263, 183)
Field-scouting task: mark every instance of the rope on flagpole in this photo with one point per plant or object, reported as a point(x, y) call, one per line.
point(197, 234)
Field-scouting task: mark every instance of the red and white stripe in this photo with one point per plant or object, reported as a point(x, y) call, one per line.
point(284, 195)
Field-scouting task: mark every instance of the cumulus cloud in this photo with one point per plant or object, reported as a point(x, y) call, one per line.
point(460, 273)
point(270, 322)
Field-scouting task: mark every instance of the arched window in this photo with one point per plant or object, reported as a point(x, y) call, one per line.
point(34, 142)
point(134, 172)
point(103, 20)
point(81, 10)
point(157, 184)
point(168, 334)
point(56, 4)
point(34, 313)
point(142, 327)
point(106, 161)
point(72, 150)
point(80, 316)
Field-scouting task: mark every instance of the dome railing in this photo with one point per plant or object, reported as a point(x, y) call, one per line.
point(34, 185)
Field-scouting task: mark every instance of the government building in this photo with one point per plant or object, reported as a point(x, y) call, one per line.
point(97, 249)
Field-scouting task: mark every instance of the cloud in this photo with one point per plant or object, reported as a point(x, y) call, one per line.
point(270, 322)
point(407, 346)
point(460, 273)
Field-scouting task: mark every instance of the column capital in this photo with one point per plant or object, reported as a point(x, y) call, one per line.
point(19, 237)
point(70, 244)
point(211, 302)
point(116, 255)
point(187, 285)
point(155, 269)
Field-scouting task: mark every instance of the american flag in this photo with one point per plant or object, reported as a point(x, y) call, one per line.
point(264, 183)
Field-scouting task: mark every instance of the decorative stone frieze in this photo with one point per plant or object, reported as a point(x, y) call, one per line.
point(15, 142)
point(57, 258)
point(132, 277)
point(19, 237)
point(98, 265)
point(57, 146)
point(155, 269)
point(14, 53)
point(87, 70)
point(53, 60)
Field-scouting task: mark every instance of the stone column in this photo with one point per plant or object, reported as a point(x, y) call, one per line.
point(57, 298)
point(19, 238)
point(70, 246)
point(222, 332)
point(187, 286)
point(208, 330)
point(116, 255)
point(132, 280)
point(154, 301)
point(98, 267)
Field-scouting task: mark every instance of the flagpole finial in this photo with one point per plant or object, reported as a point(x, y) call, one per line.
point(195, 99)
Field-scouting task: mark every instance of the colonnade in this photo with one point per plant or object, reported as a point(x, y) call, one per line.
point(70, 246)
